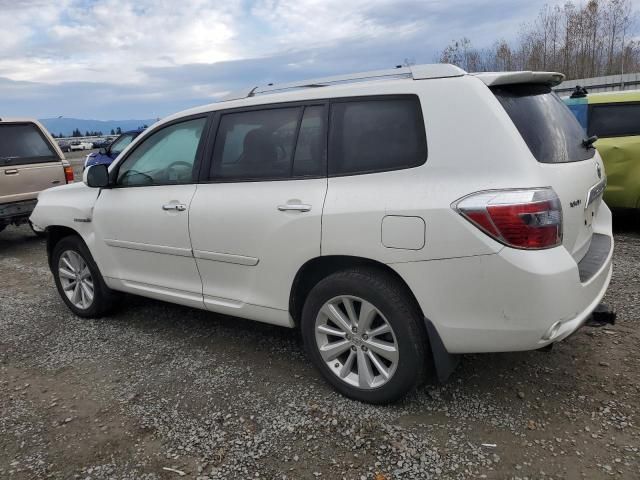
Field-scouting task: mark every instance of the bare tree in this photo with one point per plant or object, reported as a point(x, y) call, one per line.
point(581, 40)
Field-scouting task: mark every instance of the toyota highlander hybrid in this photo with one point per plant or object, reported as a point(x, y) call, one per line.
point(396, 218)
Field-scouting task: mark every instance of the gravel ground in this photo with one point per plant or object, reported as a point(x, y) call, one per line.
point(161, 391)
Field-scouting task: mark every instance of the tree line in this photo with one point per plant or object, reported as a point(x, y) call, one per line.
point(585, 40)
point(77, 133)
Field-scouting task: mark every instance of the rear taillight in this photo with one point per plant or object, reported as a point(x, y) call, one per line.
point(68, 173)
point(530, 219)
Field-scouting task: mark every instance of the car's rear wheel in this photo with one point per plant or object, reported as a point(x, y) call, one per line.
point(78, 279)
point(364, 333)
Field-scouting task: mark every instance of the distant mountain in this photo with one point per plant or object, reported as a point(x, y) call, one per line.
point(66, 126)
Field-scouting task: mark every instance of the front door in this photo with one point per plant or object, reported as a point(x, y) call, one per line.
point(143, 221)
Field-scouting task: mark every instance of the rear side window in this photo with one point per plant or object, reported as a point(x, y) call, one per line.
point(376, 135)
point(550, 130)
point(270, 144)
point(24, 143)
point(614, 120)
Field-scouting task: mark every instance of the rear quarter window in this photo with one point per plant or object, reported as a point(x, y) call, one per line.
point(22, 143)
point(614, 119)
point(548, 127)
point(375, 135)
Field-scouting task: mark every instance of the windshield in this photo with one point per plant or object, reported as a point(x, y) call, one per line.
point(121, 143)
point(22, 143)
point(550, 130)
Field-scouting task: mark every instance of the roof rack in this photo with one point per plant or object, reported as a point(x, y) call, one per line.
point(415, 72)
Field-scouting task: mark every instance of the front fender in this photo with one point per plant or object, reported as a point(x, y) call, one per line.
point(68, 206)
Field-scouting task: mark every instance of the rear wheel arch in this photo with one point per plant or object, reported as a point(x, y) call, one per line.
point(318, 268)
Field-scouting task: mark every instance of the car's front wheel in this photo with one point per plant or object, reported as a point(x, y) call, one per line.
point(364, 333)
point(78, 279)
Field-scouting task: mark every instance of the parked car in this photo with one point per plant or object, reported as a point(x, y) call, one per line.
point(30, 161)
point(397, 218)
point(107, 154)
point(64, 146)
point(78, 145)
point(101, 143)
point(614, 117)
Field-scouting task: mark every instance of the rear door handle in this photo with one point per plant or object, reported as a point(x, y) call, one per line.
point(11, 172)
point(180, 207)
point(296, 207)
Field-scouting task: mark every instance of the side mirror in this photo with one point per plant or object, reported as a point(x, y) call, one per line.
point(96, 176)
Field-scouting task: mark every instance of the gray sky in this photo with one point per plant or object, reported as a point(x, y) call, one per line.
point(117, 59)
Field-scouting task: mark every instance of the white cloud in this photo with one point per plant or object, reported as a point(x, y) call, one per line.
point(147, 58)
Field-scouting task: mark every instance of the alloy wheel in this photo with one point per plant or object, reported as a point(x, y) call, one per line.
point(76, 280)
point(356, 342)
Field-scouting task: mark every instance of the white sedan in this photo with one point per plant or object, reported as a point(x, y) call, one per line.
point(81, 146)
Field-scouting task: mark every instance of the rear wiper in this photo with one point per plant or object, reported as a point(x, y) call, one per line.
point(588, 142)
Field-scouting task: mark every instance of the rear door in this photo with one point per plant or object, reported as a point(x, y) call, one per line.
point(555, 139)
point(28, 162)
point(257, 220)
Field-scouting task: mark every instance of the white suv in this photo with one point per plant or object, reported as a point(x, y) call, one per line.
point(397, 218)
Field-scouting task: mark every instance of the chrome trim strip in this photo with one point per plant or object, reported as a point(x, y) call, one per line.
point(226, 258)
point(596, 191)
point(147, 247)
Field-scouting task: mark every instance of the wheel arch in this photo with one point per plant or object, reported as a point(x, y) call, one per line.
point(55, 233)
point(317, 268)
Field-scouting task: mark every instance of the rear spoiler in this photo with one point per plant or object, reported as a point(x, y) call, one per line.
point(492, 79)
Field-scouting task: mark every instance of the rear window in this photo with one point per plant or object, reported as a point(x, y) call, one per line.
point(548, 127)
point(376, 135)
point(614, 120)
point(24, 143)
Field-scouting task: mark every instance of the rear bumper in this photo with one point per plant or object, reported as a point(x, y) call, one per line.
point(513, 300)
point(10, 212)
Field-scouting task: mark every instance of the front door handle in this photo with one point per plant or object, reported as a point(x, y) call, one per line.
point(179, 207)
point(296, 207)
point(13, 171)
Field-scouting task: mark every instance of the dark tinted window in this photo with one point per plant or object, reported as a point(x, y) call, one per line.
point(376, 135)
point(256, 145)
point(614, 120)
point(546, 124)
point(311, 145)
point(23, 143)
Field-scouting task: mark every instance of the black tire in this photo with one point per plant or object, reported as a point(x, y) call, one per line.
point(104, 299)
point(393, 301)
